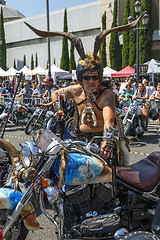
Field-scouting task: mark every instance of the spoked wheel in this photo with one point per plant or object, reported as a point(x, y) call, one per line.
point(2, 124)
point(17, 232)
point(72, 128)
point(32, 125)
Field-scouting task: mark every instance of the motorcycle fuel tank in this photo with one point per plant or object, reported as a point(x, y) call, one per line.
point(83, 169)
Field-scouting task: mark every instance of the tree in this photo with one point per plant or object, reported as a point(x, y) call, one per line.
point(36, 62)
point(114, 47)
point(3, 43)
point(14, 65)
point(145, 37)
point(32, 62)
point(132, 40)
point(65, 55)
point(24, 60)
point(103, 46)
point(125, 47)
point(54, 61)
point(72, 63)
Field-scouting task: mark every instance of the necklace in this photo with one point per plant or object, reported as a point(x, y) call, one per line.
point(88, 115)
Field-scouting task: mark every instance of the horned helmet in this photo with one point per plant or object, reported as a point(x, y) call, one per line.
point(88, 61)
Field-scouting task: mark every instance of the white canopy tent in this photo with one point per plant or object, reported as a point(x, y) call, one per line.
point(107, 71)
point(3, 73)
point(25, 70)
point(153, 66)
point(39, 71)
point(56, 71)
point(12, 72)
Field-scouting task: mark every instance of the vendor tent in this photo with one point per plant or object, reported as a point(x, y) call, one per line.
point(125, 72)
point(39, 71)
point(107, 71)
point(56, 71)
point(153, 66)
point(68, 76)
point(3, 73)
point(12, 72)
point(25, 70)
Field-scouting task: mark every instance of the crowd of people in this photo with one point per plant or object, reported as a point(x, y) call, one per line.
point(130, 89)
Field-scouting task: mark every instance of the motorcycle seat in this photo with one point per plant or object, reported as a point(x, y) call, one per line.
point(144, 174)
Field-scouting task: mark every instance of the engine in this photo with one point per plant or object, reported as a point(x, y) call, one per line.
point(92, 211)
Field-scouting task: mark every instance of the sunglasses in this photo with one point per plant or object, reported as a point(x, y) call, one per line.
point(94, 78)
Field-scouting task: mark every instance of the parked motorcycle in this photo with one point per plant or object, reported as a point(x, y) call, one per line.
point(90, 199)
point(136, 119)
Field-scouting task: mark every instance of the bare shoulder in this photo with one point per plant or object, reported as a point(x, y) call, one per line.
point(108, 98)
point(74, 89)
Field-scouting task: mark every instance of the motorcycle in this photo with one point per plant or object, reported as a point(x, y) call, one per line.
point(14, 113)
point(136, 119)
point(91, 198)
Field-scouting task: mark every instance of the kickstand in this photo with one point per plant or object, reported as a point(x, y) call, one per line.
point(137, 139)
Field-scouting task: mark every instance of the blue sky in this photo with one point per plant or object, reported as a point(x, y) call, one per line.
point(34, 7)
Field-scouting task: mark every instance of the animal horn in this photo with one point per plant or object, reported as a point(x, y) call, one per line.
point(73, 38)
point(100, 37)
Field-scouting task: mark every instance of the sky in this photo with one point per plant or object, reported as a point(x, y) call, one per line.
point(31, 8)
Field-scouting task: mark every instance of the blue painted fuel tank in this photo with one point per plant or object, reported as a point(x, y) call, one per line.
point(84, 169)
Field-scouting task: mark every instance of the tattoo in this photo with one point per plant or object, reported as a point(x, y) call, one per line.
point(67, 92)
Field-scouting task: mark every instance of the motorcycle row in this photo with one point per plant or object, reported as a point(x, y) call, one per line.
point(90, 198)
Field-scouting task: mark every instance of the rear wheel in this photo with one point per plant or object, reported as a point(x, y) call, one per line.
point(17, 232)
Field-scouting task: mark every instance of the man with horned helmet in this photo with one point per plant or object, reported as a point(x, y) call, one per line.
point(96, 103)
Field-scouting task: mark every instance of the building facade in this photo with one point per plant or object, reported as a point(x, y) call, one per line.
point(83, 20)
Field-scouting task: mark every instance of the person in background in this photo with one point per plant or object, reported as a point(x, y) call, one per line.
point(6, 91)
point(130, 80)
point(38, 93)
point(141, 92)
point(151, 88)
point(156, 97)
point(49, 88)
point(126, 94)
point(33, 85)
point(26, 92)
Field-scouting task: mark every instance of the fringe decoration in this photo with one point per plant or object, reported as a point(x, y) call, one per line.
point(64, 161)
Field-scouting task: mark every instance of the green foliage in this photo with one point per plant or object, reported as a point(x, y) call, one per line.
point(125, 47)
point(54, 61)
point(145, 37)
point(24, 60)
point(114, 47)
point(36, 62)
point(72, 63)
point(3, 43)
point(14, 65)
point(32, 62)
point(103, 46)
point(65, 55)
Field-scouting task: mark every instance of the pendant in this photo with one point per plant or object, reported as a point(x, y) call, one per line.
point(89, 117)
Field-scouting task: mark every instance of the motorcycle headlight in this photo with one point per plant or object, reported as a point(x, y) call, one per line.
point(29, 154)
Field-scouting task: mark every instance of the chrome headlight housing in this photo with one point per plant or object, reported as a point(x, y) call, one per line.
point(29, 154)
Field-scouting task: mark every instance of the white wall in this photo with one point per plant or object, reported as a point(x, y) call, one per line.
point(83, 20)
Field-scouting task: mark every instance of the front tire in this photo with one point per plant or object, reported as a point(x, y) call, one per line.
point(127, 128)
point(30, 127)
point(17, 232)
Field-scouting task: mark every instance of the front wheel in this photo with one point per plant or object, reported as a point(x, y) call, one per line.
point(127, 128)
point(17, 232)
point(31, 125)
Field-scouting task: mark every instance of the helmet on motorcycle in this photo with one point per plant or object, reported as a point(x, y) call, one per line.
point(153, 114)
point(90, 63)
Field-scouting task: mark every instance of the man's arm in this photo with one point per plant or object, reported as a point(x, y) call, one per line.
point(109, 108)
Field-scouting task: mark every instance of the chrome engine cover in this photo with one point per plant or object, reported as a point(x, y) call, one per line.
point(107, 223)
